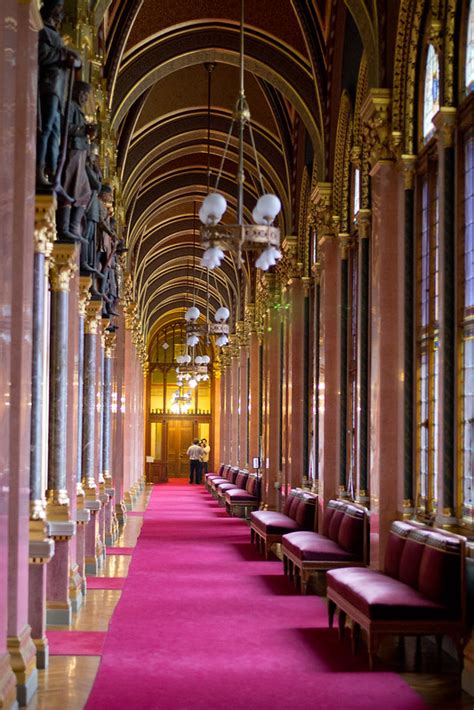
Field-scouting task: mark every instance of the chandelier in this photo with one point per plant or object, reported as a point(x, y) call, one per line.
point(192, 371)
point(181, 401)
point(263, 236)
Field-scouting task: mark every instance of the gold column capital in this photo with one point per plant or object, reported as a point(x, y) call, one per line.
point(321, 207)
point(409, 170)
point(344, 241)
point(377, 130)
point(93, 316)
point(307, 283)
point(364, 223)
point(445, 123)
point(84, 294)
point(317, 269)
point(45, 224)
point(110, 341)
point(63, 265)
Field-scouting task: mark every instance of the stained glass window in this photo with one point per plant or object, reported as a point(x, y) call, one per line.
point(431, 95)
point(470, 50)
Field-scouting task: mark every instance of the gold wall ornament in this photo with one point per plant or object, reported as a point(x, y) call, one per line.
point(93, 317)
point(344, 242)
point(84, 294)
point(317, 269)
point(63, 265)
point(445, 123)
point(341, 179)
point(449, 52)
point(45, 224)
point(303, 222)
point(409, 170)
point(307, 283)
point(364, 223)
point(321, 199)
point(289, 267)
point(110, 342)
point(376, 128)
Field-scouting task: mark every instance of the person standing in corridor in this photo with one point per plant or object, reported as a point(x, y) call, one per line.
point(205, 457)
point(195, 453)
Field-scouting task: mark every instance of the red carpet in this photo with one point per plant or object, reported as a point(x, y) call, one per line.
point(105, 582)
point(76, 643)
point(205, 623)
point(120, 550)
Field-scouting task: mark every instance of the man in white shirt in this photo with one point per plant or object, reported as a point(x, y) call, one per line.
point(195, 453)
point(205, 456)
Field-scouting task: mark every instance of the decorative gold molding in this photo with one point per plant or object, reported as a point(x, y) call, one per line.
point(445, 123)
point(321, 200)
point(45, 224)
point(93, 317)
point(376, 130)
point(289, 267)
point(84, 294)
point(409, 170)
point(22, 655)
point(63, 266)
point(364, 223)
point(344, 242)
point(110, 342)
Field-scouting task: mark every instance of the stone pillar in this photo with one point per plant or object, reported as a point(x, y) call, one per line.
point(296, 368)
point(314, 468)
point(409, 442)
point(244, 461)
point(93, 542)
point(41, 547)
point(272, 365)
point(445, 122)
point(82, 514)
point(228, 406)
point(329, 348)
point(216, 405)
point(110, 518)
point(363, 360)
point(235, 378)
point(387, 316)
point(343, 239)
point(58, 508)
point(254, 412)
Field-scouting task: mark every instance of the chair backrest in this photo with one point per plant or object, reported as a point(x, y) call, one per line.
point(303, 511)
point(332, 518)
point(252, 485)
point(232, 474)
point(429, 560)
point(241, 479)
point(352, 535)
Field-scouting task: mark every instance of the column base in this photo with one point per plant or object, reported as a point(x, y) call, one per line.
point(121, 513)
point(8, 699)
point(58, 614)
point(23, 662)
point(128, 500)
point(42, 653)
point(75, 589)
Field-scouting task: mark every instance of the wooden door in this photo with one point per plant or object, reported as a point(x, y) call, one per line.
point(180, 437)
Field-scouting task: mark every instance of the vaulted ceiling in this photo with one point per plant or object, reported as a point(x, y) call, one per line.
point(158, 83)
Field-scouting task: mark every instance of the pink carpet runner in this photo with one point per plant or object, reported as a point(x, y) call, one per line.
point(205, 623)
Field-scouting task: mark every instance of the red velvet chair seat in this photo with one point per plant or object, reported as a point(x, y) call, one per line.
point(273, 523)
point(380, 597)
point(310, 546)
point(236, 494)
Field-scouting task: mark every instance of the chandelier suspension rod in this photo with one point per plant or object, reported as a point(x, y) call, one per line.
point(241, 114)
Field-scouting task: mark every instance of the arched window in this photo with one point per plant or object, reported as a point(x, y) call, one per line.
point(431, 92)
point(470, 50)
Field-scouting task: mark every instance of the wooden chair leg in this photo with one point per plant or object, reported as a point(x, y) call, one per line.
point(331, 612)
point(285, 565)
point(372, 648)
point(355, 638)
point(304, 582)
point(252, 536)
point(342, 623)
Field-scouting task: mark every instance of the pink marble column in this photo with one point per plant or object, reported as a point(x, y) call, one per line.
point(228, 409)
point(244, 460)
point(254, 395)
point(18, 72)
point(328, 484)
point(235, 379)
point(216, 404)
point(387, 361)
point(117, 426)
point(272, 435)
point(285, 398)
point(296, 365)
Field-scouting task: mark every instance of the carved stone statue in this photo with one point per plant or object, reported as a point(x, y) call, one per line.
point(89, 257)
point(75, 181)
point(54, 61)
